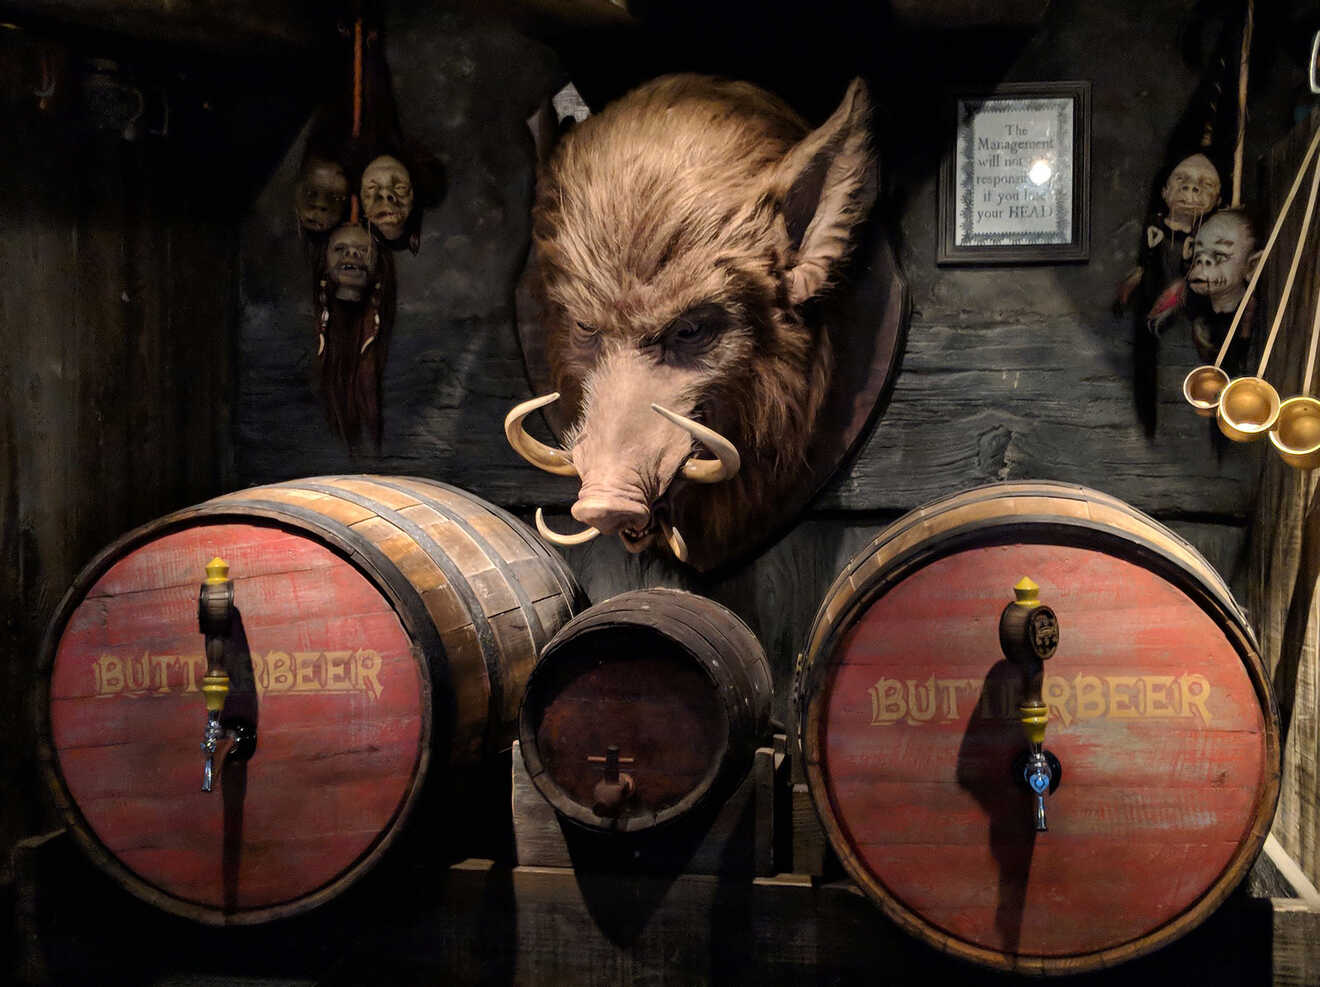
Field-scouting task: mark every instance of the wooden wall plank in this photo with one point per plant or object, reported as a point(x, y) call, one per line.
point(1284, 550)
point(114, 348)
point(1020, 374)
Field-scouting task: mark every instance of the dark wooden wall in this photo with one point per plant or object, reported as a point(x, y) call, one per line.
point(157, 336)
point(118, 263)
point(1009, 373)
point(1284, 556)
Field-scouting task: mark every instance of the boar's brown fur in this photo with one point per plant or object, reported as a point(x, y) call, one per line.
point(707, 205)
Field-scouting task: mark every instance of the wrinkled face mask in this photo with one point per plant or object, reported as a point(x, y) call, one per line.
point(387, 195)
point(1191, 191)
point(321, 194)
point(1221, 260)
point(350, 260)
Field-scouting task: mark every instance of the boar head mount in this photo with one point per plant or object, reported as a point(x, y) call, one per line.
point(680, 240)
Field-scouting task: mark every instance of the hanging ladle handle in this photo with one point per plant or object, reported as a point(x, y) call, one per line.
point(1269, 245)
point(1292, 271)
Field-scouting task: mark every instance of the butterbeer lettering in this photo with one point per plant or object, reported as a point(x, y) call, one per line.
point(109, 675)
point(1158, 701)
point(1125, 697)
point(137, 674)
point(275, 673)
point(338, 677)
point(368, 669)
point(921, 701)
point(950, 687)
point(277, 668)
point(1090, 697)
point(160, 665)
point(1195, 691)
point(1081, 698)
point(1054, 690)
point(887, 705)
point(306, 679)
point(194, 667)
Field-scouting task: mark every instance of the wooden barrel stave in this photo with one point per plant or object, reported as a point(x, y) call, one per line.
point(700, 639)
point(313, 561)
point(1229, 783)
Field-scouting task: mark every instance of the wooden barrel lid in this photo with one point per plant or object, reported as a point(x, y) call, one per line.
point(675, 682)
point(342, 737)
point(1159, 713)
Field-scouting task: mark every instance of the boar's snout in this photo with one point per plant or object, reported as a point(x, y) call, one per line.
point(611, 514)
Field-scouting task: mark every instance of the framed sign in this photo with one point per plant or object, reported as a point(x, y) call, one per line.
point(1015, 179)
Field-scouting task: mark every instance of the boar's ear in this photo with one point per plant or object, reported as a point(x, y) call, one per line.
point(828, 182)
point(554, 118)
point(545, 129)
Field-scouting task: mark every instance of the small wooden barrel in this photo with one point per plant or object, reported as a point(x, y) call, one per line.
point(381, 622)
point(675, 683)
point(1159, 712)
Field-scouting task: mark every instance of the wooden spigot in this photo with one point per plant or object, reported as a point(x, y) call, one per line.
point(616, 787)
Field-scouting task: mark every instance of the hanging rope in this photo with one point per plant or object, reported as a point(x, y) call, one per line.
point(357, 78)
point(1242, 104)
point(47, 89)
point(357, 104)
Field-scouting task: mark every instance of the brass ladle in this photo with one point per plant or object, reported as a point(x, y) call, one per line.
point(1296, 437)
point(1203, 388)
point(1249, 406)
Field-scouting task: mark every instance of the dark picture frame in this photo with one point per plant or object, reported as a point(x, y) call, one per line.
point(1015, 177)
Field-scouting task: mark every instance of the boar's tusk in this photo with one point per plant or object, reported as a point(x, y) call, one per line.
point(535, 452)
point(676, 543)
point(705, 470)
point(581, 538)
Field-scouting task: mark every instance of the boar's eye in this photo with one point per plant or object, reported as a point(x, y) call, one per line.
point(696, 328)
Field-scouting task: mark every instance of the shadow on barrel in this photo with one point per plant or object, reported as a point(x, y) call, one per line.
point(240, 716)
point(985, 770)
point(624, 877)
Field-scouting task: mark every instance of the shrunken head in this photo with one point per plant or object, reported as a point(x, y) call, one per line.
point(1223, 258)
point(679, 240)
point(387, 195)
point(321, 194)
point(1192, 191)
point(350, 261)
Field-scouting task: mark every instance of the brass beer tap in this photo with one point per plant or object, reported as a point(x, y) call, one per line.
point(1029, 636)
point(215, 605)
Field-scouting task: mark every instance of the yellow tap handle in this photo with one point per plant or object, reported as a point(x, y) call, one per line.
point(1026, 592)
point(214, 690)
point(1033, 720)
point(215, 684)
point(1033, 717)
point(1029, 635)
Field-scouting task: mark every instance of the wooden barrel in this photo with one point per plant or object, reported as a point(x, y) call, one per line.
point(382, 622)
point(1159, 712)
point(675, 683)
